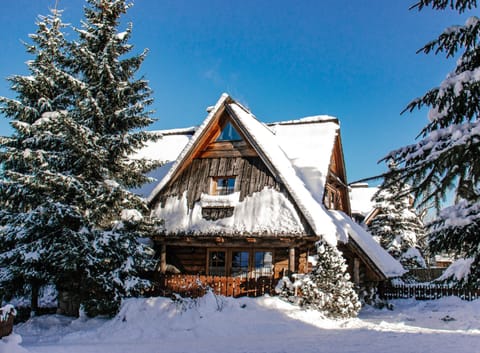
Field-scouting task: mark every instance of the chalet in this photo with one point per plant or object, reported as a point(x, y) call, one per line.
point(244, 199)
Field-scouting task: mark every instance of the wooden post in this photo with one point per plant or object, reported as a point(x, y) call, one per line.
point(291, 260)
point(163, 259)
point(356, 271)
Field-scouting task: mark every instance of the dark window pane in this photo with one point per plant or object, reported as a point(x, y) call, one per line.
point(225, 186)
point(216, 263)
point(229, 134)
point(263, 263)
point(239, 263)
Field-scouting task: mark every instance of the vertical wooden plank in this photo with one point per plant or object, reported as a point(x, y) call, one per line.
point(163, 259)
point(291, 260)
point(246, 171)
point(213, 167)
point(356, 271)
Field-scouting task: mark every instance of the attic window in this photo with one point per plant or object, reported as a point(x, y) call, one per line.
point(229, 133)
point(223, 186)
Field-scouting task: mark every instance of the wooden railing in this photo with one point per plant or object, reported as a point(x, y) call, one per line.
point(427, 292)
point(196, 285)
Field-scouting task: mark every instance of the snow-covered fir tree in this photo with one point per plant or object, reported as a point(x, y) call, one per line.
point(35, 214)
point(446, 158)
point(397, 226)
point(328, 287)
point(67, 170)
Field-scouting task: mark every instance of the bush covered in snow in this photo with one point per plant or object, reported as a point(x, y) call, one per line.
point(327, 288)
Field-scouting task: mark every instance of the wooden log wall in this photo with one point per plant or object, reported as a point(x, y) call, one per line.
point(192, 260)
point(189, 260)
point(250, 172)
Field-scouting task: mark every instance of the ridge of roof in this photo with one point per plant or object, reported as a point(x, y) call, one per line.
point(179, 131)
point(307, 120)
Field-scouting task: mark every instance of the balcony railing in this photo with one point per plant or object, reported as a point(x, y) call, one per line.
point(194, 286)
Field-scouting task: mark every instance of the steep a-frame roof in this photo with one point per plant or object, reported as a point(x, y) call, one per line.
point(298, 153)
point(294, 173)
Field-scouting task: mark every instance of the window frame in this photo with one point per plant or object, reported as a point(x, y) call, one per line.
point(252, 271)
point(214, 188)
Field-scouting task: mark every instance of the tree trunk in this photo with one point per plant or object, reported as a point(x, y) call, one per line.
point(34, 299)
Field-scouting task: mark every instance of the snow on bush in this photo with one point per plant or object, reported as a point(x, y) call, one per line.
point(11, 344)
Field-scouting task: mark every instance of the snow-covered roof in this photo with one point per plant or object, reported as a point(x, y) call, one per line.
point(166, 150)
point(361, 198)
point(298, 153)
point(380, 257)
point(296, 173)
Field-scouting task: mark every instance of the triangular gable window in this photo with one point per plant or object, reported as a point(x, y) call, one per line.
point(229, 133)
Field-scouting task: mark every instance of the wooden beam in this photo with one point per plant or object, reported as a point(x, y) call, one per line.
point(291, 260)
point(163, 259)
point(236, 241)
point(356, 271)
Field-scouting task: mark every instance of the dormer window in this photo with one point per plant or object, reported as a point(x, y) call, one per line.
point(229, 133)
point(223, 186)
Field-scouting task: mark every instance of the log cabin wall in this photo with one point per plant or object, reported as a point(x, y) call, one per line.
point(250, 173)
point(336, 188)
point(192, 260)
point(364, 274)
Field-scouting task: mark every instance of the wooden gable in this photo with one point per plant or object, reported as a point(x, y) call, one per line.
point(336, 188)
point(210, 159)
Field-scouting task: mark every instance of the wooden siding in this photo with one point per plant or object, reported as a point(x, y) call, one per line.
point(192, 260)
point(336, 184)
point(250, 173)
point(188, 259)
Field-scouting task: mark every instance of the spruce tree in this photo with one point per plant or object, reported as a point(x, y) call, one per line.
point(111, 103)
point(397, 226)
point(445, 159)
point(35, 211)
point(67, 169)
point(328, 287)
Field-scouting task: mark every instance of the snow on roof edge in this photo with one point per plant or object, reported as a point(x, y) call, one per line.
point(307, 120)
point(309, 207)
point(389, 266)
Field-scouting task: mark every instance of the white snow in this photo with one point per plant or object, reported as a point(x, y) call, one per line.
point(312, 208)
point(11, 344)
point(267, 324)
point(230, 200)
point(6, 311)
point(165, 150)
point(458, 270)
point(131, 215)
point(267, 211)
point(361, 198)
point(382, 259)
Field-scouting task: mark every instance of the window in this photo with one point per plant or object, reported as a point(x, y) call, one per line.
point(263, 263)
point(244, 263)
point(229, 134)
point(216, 263)
point(239, 263)
point(223, 186)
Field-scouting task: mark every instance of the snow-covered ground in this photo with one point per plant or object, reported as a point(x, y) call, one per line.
point(218, 324)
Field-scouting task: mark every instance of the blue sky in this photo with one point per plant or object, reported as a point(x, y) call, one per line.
point(355, 60)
